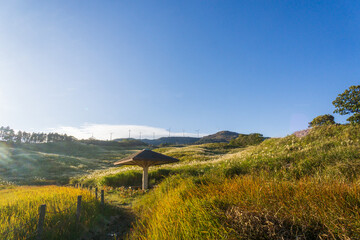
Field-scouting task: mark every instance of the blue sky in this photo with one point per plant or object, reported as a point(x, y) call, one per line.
point(245, 66)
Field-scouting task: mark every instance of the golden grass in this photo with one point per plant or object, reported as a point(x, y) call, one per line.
point(249, 207)
point(19, 211)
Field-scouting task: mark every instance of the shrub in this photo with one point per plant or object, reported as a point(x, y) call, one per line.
point(244, 140)
point(322, 120)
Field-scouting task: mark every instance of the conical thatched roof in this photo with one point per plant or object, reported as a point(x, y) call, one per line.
point(146, 158)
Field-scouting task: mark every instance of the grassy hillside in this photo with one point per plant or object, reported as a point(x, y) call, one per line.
point(285, 188)
point(56, 162)
point(326, 152)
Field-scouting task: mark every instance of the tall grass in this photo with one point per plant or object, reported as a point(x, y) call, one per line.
point(19, 212)
point(248, 207)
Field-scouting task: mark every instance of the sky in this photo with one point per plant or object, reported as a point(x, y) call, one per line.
point(99, 67)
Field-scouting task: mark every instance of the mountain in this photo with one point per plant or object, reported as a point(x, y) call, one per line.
point(222, 136)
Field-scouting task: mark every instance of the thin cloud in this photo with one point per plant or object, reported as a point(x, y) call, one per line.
point(104, 131)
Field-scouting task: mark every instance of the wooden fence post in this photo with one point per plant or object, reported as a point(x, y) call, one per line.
point(78, 209)
point(40, 226)
point(96, 193)
point(102, 197)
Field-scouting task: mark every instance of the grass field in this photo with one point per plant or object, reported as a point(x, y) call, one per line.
point(55, 163)
point(19, 212)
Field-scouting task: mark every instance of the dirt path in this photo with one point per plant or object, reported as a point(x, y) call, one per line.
point(118, 226)
point(114, 228)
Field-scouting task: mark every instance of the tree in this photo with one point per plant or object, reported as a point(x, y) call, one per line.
point(348, 102)
point(322, 120)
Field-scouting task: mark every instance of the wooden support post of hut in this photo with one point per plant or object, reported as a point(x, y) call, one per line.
point(145, 159)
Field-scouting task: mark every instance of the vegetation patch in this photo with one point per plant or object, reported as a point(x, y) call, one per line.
point(248, 207)
point(19, 212)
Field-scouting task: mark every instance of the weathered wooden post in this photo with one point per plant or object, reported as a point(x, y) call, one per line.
point(40, 226)
point(102, 197)
point(145, 178)
point(78, 209)
point(96, 193)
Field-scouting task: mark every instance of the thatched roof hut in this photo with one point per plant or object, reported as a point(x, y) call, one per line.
point(146, 158)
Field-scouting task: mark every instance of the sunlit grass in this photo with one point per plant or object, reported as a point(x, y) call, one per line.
point(248, 207)
point(19, 212)
point(55, 163)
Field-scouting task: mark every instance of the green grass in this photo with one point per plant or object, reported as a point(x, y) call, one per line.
point(327, 152)
point(203, 152)
point(55, 163)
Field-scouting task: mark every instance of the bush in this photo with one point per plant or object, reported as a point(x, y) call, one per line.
point(322, 120)
point(244, 140)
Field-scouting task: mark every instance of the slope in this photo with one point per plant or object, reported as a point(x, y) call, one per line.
point(55, 163)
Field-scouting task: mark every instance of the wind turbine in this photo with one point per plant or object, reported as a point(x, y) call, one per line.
point(198, 130)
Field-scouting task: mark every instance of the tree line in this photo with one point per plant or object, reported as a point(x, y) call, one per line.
point(9, 135)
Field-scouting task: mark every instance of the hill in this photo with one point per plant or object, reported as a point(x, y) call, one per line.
point(54, 163)
point(283, 188)
point(222, 136)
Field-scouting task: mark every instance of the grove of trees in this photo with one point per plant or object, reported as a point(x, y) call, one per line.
point(9, 135)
